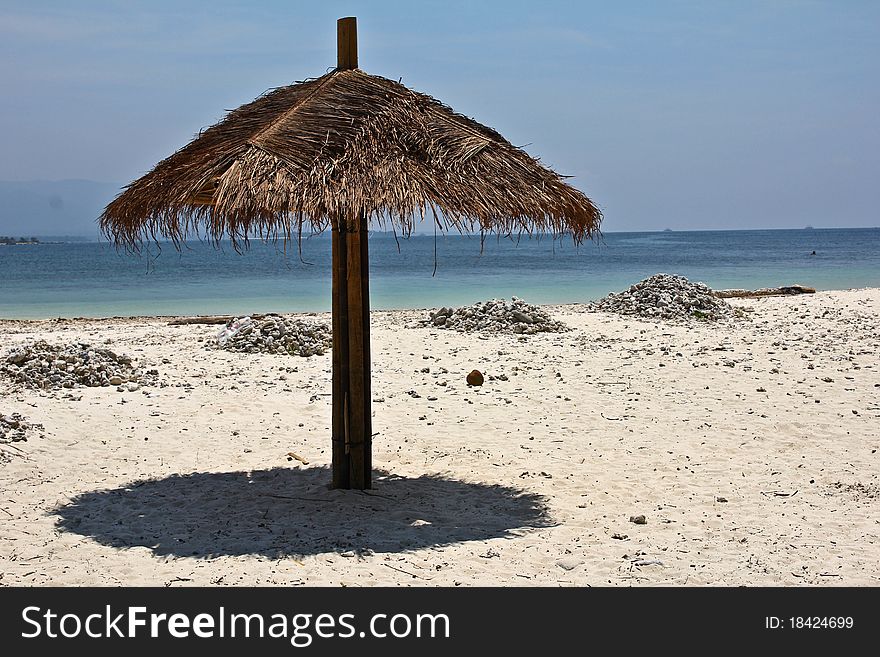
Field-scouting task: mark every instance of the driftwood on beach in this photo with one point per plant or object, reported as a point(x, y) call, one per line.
point(765, 291)
point(208, 319)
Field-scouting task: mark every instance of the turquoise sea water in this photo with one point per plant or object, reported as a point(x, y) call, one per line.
point(91, 279)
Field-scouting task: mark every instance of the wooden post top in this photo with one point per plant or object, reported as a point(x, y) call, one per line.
point(346, 43)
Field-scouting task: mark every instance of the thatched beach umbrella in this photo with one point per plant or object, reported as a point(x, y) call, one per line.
point(339, 151)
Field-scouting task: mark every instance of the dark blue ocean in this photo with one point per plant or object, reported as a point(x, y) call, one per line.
point(93, 279)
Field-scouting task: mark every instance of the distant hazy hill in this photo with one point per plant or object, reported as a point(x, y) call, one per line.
point(59, 207)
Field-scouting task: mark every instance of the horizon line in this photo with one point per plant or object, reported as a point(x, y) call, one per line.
point(257, 238)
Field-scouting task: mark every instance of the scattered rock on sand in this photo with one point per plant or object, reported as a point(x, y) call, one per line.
point(857, 490)
point(638, 520)
point(14, 428)
point(669, 297)
point(495, 316)
point(569, 563)
point(274, 334)
point(475, 378)
point(647, 562)
point(54, 366)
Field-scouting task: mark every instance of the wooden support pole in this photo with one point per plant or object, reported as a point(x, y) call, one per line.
point(368, 396)
point(359, 409)
point(340, 357)
point(352, 423)
point(346, 43)
point(352, 408)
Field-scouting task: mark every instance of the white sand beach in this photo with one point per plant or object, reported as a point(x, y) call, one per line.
point(749, 448)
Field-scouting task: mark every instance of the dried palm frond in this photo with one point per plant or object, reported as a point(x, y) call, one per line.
point(328, 151)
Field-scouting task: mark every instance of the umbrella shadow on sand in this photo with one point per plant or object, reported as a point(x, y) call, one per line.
point(285, 511)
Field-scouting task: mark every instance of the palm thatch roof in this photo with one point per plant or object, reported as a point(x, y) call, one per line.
point(325, 151)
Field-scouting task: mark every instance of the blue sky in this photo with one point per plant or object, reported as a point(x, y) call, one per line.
point(704, 114)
